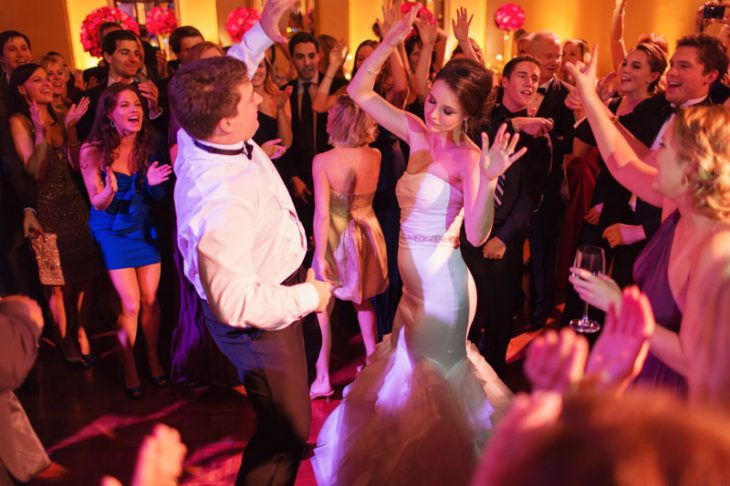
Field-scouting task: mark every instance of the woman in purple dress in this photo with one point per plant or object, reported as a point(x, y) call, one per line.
point(690, 181)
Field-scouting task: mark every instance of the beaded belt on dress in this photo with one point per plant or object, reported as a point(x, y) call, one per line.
point(430, 240)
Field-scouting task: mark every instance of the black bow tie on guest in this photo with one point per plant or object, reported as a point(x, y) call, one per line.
point(246, 150)
point(542, 90)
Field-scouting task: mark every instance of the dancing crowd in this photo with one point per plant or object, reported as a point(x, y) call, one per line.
point(234, 200)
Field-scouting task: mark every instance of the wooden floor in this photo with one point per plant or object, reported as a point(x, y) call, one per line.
point(90, 428)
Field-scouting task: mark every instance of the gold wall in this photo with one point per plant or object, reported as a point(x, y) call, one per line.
point(44, 21)
point(590, 20)
point(55, 24)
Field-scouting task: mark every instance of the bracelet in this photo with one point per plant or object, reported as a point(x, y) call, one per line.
point(370, 71)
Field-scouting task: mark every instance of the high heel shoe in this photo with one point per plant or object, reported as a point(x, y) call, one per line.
point(88, 360)
point(160, 381)
point(134, 392)
point(324, 394)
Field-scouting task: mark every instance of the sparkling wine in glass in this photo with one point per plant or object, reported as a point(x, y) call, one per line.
point(593, 259)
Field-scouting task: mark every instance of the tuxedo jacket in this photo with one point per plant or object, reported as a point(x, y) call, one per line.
point(553, 107)
point(523, 181)
point(298, 159)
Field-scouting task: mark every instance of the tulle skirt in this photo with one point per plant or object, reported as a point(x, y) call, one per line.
point(407, 420)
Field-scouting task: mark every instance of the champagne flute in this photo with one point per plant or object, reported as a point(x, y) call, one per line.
point(593, 259)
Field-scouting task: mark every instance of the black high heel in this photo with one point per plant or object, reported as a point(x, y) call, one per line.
point(134, 392)
point(88, 360)
point(160, 381)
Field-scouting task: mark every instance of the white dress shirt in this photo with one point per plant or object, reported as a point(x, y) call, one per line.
point(660, 134)
point(238, 231)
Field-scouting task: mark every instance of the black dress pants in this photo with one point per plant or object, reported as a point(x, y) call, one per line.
point(499, 286)
point(272, 367)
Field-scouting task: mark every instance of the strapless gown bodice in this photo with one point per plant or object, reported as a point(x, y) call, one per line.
point(431, 209)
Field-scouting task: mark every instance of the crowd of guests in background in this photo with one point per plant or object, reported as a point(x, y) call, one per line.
point(635, 162)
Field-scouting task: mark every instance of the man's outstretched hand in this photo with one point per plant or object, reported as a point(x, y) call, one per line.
point(271, 15)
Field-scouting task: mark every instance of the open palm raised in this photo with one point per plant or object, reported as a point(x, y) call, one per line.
point(495, 160)
point(157, 174)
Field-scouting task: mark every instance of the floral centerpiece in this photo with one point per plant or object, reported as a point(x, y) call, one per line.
point(240, 20)
point(90, 27)
point(161, 21)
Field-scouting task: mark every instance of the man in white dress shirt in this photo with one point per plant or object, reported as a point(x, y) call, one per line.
point(243, 248)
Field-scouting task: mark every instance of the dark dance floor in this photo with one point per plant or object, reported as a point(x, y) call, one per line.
point(90, 428)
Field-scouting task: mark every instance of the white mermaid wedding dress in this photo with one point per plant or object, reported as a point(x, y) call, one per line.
point(422, 410)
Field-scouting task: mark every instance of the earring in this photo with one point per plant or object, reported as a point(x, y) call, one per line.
point(465, 126)
point(685, 180)
point(114, 125)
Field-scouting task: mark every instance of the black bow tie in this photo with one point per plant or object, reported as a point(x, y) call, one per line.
point(246, 150)
point(542, 90)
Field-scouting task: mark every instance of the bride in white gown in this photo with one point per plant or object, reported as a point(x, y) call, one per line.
point(421, 411)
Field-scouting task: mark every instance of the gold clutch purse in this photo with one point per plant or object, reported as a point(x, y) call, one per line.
point(45, 247)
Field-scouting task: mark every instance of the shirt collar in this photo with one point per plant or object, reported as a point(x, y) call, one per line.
point(694, 101)
point(314, 81)
point(111, 80)
point(546, 84)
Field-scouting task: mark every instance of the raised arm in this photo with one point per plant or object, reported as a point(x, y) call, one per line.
point(261, 36)
point(73, 116)
point(428, 31)
point(323, 100)
point(480, 179)
point(618, 47)
point(283, 116)
point(361, 88)
point(32, 148)
point(398, 59)
point(461, 32)
point(622, 161)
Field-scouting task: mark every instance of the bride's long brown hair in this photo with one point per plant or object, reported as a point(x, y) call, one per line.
point(105, 137)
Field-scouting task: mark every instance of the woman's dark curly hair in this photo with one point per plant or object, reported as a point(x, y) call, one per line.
point(105, 137)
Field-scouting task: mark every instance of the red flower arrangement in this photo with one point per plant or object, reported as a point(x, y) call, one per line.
point(509, 17)
point(90, 27)
point(161, 21)
point(423, 13)
point(240, 20)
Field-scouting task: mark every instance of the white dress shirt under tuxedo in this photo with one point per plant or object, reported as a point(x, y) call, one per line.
point(238, 231)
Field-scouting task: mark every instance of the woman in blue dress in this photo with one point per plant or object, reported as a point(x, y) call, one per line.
point(121, 182)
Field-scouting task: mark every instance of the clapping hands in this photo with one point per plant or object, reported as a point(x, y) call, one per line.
point(560, 361)
point(157, 174)
point(76, 112)
point(110, 181)
point(622, 347)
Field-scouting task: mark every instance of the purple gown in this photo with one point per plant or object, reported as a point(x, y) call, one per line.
point(651, 273)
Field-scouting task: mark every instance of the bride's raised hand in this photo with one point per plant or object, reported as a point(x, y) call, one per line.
point(495, 160)
point(585, 75)
point(398, 32)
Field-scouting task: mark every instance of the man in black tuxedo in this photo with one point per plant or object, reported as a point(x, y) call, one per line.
point(497, 265)
point(545, 223)
point(309, 127)
point(122, 53)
